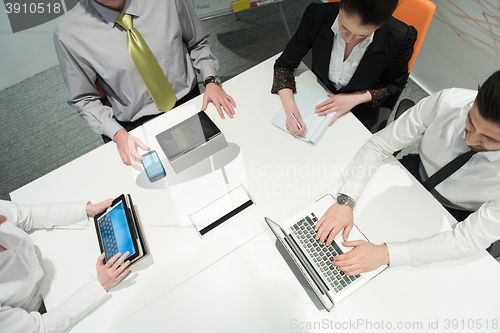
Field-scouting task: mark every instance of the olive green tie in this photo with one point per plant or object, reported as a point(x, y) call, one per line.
point(151, 73)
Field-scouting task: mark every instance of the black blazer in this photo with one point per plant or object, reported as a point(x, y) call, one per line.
point(384, 64)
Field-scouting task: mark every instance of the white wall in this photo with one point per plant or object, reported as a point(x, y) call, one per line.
point(462, 46)
point(25, 53)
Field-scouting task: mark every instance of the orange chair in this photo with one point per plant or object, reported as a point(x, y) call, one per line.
point(417, 13)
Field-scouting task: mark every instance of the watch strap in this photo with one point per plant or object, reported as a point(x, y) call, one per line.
point(344, 199)
point(212, 79)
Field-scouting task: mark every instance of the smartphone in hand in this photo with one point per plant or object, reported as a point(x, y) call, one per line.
point(153, 166)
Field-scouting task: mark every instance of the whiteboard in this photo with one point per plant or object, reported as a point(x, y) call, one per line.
point(208, 8)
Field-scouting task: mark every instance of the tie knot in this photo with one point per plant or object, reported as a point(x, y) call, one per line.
point(125, 20)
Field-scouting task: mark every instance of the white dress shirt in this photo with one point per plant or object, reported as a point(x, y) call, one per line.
point(90, 47)
point(340, 72)
point(440, 121)
point(21, 274)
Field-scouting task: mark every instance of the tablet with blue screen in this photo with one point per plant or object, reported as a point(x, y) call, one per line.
point(118, 230)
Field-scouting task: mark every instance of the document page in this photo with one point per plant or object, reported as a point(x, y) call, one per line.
point(306, 100)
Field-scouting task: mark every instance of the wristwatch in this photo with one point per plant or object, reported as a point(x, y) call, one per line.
point(213, 79)
point(344, 199)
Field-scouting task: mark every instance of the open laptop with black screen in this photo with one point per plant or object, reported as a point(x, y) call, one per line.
point(296, 234)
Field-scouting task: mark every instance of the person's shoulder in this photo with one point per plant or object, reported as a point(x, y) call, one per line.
point(317, 15)
point(326, 9)
point(322, 10)
point(457, 96)
point(74, 16)
point(399, 32)
point(397, 25)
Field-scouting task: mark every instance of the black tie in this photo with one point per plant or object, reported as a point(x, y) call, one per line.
point(447, 170)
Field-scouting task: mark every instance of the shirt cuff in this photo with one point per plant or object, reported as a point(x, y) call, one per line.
point(379, 95)
point(283, 79)
point(60, 214)
point(207, 71)
point(110, 127)
point(69, 212)
point(352, 190)
point(86, 299)
point(399, 254)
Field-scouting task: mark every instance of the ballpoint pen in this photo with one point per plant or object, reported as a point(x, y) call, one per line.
point(294, 118)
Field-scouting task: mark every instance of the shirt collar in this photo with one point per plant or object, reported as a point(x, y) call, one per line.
point(110, 15)
point(335, 26)
point(492, 156)
point(336, 30)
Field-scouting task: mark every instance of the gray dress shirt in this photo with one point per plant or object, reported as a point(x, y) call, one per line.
point(91, 47)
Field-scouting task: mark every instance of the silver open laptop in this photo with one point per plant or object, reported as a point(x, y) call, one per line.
point(296, 234)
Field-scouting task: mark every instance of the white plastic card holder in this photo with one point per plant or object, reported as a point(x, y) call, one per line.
point(221, 210)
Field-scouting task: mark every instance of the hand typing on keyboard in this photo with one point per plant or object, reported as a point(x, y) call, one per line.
point(364, 257)
point(337, 218)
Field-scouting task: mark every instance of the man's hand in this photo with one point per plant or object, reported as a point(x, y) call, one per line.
point(291, 125)
point(221, 100)
point(365, 257)
point(94, 209)
point(336, 218)
point(342, 103)
point(111, 273)
point(127, 147)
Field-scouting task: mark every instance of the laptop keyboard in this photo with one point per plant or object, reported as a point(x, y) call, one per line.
point(321, 255)
point(108, 236)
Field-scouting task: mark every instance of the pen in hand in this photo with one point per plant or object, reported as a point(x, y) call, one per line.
point(294, 118)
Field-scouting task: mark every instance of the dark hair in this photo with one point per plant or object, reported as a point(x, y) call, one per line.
point(488, 98)
point(371, 12)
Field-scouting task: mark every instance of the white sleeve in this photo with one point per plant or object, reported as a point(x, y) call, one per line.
point(408, 128)
point(58, 319)
point(43, 215)
point(468, 237)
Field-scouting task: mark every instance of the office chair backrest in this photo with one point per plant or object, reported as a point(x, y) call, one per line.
point(417, 13)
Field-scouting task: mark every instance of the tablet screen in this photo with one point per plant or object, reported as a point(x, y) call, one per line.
point(187, 135)
point(115, 232)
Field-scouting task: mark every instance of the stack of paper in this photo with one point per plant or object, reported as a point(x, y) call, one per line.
point(306, 100)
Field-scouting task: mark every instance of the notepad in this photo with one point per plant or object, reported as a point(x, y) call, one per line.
point(316, 126)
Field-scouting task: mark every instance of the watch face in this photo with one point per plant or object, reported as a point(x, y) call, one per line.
point(342, 199)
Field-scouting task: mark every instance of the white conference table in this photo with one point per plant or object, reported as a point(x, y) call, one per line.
point(235, 279)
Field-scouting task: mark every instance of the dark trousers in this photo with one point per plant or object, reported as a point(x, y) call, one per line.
point(412, 163)
point(130, 125)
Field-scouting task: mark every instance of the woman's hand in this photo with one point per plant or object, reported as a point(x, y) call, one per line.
point(288, 101)
point(342, 103)
point(291, 125)
point(113, 271)
point(94, 209)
